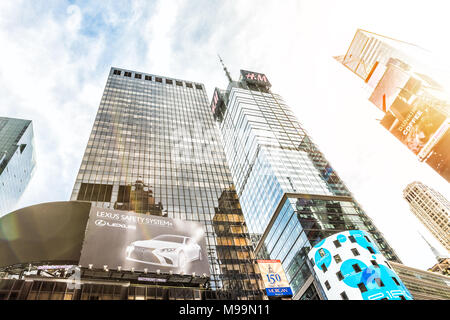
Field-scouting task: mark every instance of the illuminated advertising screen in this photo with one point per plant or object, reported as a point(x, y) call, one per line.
point(217, 101)
point(218, 104)
point(439, 157)
point(274, 278)
point(413, 124)
point(130, 240)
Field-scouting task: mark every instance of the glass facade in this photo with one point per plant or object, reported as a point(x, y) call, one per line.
point(234, 249)
point(291, 197)
point(17, 160)
point(154, 148)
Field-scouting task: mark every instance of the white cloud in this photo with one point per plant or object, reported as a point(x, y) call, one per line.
point(74, 19)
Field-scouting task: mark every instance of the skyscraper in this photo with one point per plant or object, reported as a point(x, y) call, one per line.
point(290, 195)
point(406, 89)
point(431, 208)
point(154, 149)
point(17, 160)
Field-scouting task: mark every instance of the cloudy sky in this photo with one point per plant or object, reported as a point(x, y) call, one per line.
point(55, 57)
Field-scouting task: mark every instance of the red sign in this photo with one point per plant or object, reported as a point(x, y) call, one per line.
point(255, 78)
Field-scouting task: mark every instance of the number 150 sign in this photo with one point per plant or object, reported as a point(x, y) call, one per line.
point(274, 278)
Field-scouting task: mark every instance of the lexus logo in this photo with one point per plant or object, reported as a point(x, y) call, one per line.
point(100, 223)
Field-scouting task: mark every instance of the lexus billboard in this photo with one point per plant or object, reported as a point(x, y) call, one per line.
point(136, 242)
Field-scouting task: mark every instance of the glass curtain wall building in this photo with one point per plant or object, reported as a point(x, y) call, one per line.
point(154, 149)
point(17, 160)
point(290, 195)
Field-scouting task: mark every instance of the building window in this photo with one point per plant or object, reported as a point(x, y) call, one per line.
point(197, 86)
point(371, 250)
point(396, 281)
point(117, 72)
point(189, 85)
point(337, 244)
point(379, 282)
point(374, 263)
point(356, 267)
point(138, 76)
point(327, 285)
point(168, 81)
point(127, 74)
point(355, 252)
point(344, 296)
point(362, 287)
point(352, 239)
point(95, 192)
point(339, 275)
point(323, 267)
point(157, 79)
point(337, 258)
point(149, 78)
point(179, 83)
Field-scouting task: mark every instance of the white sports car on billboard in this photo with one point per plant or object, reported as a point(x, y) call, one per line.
point(165, 250)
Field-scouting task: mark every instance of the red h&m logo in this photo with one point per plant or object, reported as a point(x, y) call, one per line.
point(256, 77)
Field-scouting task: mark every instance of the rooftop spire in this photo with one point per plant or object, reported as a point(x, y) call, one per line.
point(226, 70)
point(436, 253)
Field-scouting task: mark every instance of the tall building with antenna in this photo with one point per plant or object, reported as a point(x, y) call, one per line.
point(290, 195)
point(432, 209)
point(442, 265)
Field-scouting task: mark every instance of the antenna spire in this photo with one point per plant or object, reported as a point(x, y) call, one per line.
point(436, 253)
point(226, 70)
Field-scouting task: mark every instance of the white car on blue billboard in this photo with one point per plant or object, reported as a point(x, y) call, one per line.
point(165, 250)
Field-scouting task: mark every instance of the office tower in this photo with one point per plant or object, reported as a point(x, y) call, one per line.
point(432, 209)
point(423, 285)
point(290, 195)
point(407, 90)
point(154, 149)
point(17, 160)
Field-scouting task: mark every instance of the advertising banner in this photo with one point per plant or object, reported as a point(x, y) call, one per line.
point(274, 278)
point(413, 124)
point(130, 240)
